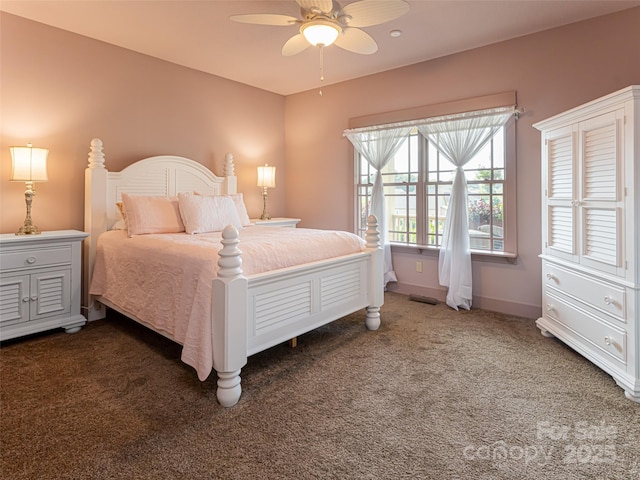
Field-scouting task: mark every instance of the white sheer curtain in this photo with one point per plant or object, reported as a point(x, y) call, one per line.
point(460, 137)
point(378, 147)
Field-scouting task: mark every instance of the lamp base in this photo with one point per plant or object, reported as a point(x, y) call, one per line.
point(28, 230)
point(265, 215)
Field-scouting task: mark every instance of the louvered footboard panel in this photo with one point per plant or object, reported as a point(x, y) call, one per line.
point(278, 307)
point(340, 288)
point(288, 304)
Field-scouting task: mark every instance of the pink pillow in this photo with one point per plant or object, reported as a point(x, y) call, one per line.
point(207, 213)
point(147, 214)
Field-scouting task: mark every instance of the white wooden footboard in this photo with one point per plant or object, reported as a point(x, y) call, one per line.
point(277, 306)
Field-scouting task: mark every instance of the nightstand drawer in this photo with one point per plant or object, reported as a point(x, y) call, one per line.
point(35, 258)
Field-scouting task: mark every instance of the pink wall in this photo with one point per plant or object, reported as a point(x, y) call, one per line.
point(551, 72)
point(59, 90)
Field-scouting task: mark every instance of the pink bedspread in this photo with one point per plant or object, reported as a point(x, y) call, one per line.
point(165, 279)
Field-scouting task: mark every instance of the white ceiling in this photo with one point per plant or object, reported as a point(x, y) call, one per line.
point(199, 34)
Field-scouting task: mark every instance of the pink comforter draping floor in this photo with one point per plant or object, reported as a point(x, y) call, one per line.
point(165, 279)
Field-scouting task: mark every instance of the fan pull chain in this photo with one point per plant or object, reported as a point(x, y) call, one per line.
point(321, 66)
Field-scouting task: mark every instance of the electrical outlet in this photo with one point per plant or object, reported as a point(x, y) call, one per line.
point(419, 267)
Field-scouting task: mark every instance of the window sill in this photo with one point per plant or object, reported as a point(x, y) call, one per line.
point(476, 255)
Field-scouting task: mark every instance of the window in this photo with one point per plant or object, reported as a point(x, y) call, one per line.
point(417, 184)
point(401, 179)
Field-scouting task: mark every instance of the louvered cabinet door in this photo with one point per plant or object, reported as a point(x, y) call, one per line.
point(601, 194)
point(14, 299)
point(50, 294)
point(559, 227)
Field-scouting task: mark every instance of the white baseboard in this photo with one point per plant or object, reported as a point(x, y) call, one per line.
point(485, 303)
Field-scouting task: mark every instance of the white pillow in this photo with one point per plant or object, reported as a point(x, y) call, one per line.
point(148, 214)
point(241, 208)
point(207, 213)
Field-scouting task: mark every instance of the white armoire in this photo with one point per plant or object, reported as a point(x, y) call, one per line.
point(590, 233)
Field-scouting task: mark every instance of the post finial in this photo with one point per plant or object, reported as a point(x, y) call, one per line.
point(229, 169)
point(230, 263)
point(373, 233)
point(96, 156)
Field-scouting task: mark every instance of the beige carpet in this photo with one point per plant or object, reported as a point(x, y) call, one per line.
point(434, 394)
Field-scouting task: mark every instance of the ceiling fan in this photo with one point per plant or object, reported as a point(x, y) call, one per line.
point(325, 22)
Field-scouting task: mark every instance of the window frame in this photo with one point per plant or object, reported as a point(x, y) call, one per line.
point(509, 251)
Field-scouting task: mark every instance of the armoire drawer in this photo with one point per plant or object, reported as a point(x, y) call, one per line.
point(601, 295)
point(597, 332)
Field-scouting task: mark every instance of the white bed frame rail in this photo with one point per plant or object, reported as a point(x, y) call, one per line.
point(249, 314)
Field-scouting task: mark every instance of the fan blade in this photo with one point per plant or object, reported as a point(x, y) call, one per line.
point(295, 45)
point(366, 13)
point(323, 5)
point(357, 41)
point(265, 19)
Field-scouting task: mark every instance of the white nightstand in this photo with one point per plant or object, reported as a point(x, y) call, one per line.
point(277, 222)
point(40, 282)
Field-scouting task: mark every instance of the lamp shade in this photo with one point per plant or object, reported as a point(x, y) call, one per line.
point(28, 164)
point(320, 32)
point(267, 176)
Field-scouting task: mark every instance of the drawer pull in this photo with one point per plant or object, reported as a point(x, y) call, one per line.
point(550, 307)
point(31, 260)
point(25, 299)
point(34, 298)
point(607, 340)
point(551, 276)
point(608, 300)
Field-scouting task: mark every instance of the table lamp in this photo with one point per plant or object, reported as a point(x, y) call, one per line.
point(266, 179)
point(29, 165)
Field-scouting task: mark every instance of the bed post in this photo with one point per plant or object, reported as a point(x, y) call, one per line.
point(95, 221)
point(229, 315)
point(376, 284)
point(230, 179)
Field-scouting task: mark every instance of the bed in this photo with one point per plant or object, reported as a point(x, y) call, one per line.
point(249, 309)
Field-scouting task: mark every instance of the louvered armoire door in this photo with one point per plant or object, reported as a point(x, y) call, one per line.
point(601, 196)
point(559, 230)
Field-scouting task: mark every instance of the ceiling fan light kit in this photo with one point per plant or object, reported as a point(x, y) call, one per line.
point(320, 32)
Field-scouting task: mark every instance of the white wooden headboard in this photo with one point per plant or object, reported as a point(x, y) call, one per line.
point(162, 175)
